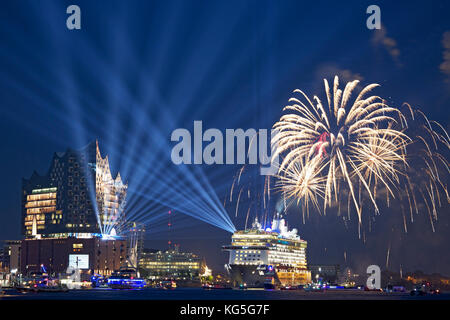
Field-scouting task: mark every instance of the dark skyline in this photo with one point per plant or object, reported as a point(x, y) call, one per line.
point(230, 64)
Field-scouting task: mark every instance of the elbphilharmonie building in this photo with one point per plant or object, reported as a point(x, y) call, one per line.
point(78, 196)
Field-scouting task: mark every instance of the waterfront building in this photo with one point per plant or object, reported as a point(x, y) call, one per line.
point(77, 196)
point(10, 256)
point(173, 264)
point(89, 255)
point(73, 216)
point(272, 255)
point(328, 273)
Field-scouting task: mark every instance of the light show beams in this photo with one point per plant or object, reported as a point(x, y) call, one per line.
point(95, 101)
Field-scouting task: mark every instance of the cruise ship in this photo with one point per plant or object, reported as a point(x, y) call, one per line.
point(271, 257)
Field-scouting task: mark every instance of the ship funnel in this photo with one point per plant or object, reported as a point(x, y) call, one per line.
point(256, 225)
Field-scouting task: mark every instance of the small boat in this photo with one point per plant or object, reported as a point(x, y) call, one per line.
point(51, 289)
point(216, 286)
point(242, 286)
point(98, 281)
point(314, 287)
point(40, 282)
point(287, 287)
point(167, 284)
point(270, 286)
point(42, 288)
point(126, 278)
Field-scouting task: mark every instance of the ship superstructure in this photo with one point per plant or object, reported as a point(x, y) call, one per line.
point(273, 255)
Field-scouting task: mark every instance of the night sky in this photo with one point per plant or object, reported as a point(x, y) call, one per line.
point(231, 64)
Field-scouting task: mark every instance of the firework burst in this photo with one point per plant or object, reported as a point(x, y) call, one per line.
point(345, 144)
point(304, 182)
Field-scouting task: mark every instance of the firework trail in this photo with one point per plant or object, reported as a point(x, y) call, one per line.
point(251, 192)
point(425, 179)
point(341, 145)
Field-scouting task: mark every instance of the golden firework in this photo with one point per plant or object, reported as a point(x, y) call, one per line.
point(346, 144)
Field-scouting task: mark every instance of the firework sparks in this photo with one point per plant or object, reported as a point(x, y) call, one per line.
point(427, 172)
point(303, 181)
point(355, 149)
point(342, 145)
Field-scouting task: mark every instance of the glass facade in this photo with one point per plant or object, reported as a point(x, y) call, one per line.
point(40, 209)
point(170, 264)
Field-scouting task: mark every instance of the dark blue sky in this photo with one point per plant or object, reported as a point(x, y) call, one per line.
point(230, 64)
